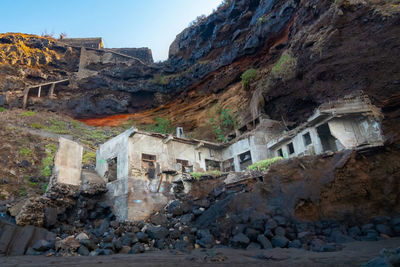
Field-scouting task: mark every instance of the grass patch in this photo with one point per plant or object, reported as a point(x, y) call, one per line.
point(58, 127)
point(263, 165)
point(161, 125)
point(285, 67)
point(22, 192)
point(28, 114)
point(89, 157)
point(2, 109)
point(197, 175)
point(247, 77)
point(36, 125)
point(44, 187)
point(48, 161)
point(27, 152)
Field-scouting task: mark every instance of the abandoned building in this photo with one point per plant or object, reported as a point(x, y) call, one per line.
point(351, 122)
point(96, 43)
point(139, 167)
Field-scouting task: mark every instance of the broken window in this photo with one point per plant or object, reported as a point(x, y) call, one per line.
point(186, 168)
point(111, 173)
point(245, 160)
point(307, 139)
point(327, 140)
point(199, 155)
point(149, 165)
point(290, 148)
point(279, 152)
point(212, 165)
point(211, 152)
point(228, 165)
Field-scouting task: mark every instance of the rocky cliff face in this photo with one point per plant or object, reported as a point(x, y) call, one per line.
point(305, 53)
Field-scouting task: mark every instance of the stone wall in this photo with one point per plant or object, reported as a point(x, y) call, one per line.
point(143, 53)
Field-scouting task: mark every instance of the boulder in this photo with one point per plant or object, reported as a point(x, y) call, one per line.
point(159, 219)
point(137, 248)
point(175, 208)
point(294, 244)
point(81, 236)
point(384, 229)
point(205, 239)
point(43, 245)
point(83, 250)
point(240, 241)
point(157, 232)
point(265, 243)
point(279, 231)
point(253, 245)
point(279, 241)
point(69, 244)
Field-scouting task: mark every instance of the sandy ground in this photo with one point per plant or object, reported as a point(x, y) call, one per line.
point(353, 254)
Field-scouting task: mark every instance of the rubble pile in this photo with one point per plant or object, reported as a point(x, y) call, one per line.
point(90, 228)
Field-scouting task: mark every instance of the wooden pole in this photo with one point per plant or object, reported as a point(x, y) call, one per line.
point(26, 92)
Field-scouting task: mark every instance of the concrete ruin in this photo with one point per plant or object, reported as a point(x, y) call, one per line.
point(351, 122)
point(140, 167)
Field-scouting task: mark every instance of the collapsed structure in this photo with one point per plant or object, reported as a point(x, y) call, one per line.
point(140, 167)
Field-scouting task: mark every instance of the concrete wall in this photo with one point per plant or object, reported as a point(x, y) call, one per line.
point(352, 132)
point(115, 148)
point(349, 132)
point(68, 162)
point(167, 153)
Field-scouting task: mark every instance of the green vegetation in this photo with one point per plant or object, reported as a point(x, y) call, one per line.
point(57, 127)
point(44, 187)
point(261, 20)
point(27, 152)
point(22, 192)
point(89, 157)
point(160, 79)
point(28, 114)
point(161, 125)
point(223, 123)
point(247, 77)
point(2, 109)
point(48, 161)
point(197, 175)
point(263, 165)
point(36, 125)
point(285, 67)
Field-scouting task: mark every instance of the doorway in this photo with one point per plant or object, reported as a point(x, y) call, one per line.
point(327, 140)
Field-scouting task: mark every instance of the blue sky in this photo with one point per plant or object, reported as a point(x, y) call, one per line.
point(121, 23)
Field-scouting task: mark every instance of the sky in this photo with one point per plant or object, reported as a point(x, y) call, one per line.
point(121, 23)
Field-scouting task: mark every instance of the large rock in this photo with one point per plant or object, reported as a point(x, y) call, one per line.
point(157, 232)
point(279, 241)
point(215, 211)
point(240, 241)
point(265, 243)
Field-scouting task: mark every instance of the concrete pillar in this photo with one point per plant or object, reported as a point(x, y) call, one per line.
point(39, 91)
point(26, 92)
point(51, 92)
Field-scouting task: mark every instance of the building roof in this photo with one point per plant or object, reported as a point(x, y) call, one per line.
point(190, 141)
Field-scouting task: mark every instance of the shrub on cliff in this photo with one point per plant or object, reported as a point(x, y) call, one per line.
point(247, 77)
point(285, 68)
point(263, 165)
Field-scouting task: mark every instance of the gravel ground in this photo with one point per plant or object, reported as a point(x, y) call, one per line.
point(353, 254)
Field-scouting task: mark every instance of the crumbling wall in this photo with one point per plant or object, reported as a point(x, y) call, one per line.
point(68, 162)
point(114, 148)
point(167, 152)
